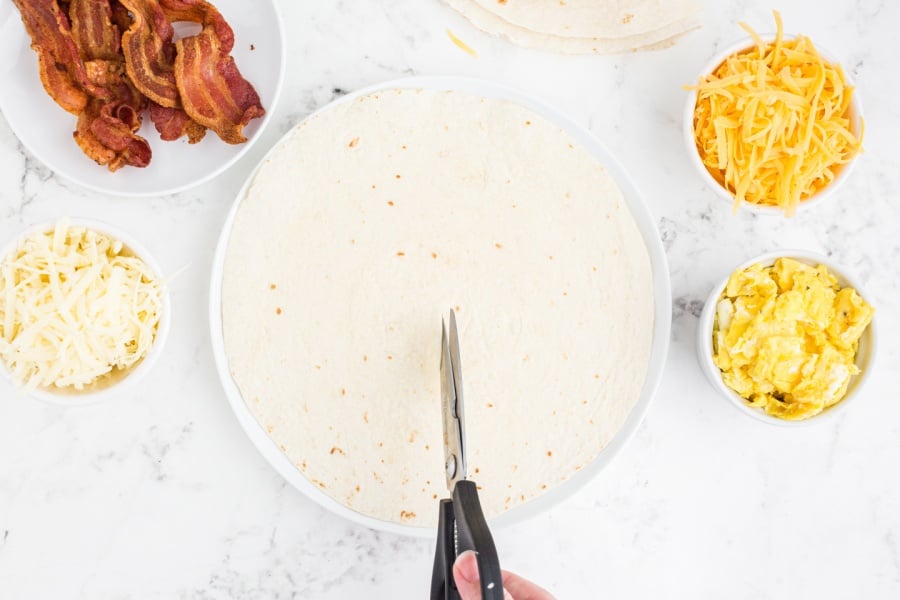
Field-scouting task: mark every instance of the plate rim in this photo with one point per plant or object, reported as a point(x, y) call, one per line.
point(644, 220)
point(67, 175)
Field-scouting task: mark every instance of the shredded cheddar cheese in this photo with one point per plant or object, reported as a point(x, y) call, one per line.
point(461, 44)
point(772, 123)
point(75, 307)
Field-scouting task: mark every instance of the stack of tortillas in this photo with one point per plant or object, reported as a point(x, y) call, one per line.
point(362, 229)
point(584, 26)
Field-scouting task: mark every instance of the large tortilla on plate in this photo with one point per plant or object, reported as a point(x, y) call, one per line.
point(363, 228)
point(584, 26)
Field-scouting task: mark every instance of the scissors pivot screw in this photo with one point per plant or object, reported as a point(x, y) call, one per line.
point(451, 466)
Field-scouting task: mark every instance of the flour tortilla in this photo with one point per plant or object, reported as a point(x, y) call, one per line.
point(584, 26)
point(372, 220)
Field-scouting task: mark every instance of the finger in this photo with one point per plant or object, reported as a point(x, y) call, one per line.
point(522, 589)
point(465, 574)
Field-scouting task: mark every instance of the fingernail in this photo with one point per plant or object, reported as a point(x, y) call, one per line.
point(467, 566)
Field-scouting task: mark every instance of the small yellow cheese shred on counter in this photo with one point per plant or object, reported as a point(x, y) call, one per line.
point(461, 44)
point(76, 307)
point(786, 337)
point(772, 123)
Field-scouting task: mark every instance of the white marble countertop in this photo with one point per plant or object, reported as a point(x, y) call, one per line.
point(161, 495)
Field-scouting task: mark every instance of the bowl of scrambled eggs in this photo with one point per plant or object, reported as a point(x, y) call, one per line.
point(787, 338)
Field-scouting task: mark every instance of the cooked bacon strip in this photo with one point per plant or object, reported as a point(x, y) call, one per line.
point(149, 52)
point(93, 31)
point(62, 70)
point(108, 140)
point(172, 123)
point(106, 130)
point(211, 87)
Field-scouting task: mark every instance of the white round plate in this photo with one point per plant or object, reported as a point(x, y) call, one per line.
point(45, 129)
point(661, 327)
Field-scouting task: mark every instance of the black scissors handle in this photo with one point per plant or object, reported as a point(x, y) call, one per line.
point(470, 533)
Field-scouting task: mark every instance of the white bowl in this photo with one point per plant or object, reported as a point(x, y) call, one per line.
point(128, 379)
point(856, 120)
point(864, 355)
point(661, 327)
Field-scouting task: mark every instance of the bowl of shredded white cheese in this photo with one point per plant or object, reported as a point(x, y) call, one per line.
point(84, 311)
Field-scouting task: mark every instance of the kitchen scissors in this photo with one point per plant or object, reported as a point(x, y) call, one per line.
point(461, 523)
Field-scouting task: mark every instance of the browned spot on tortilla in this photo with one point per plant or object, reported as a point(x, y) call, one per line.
point(627, 18)
point(390, 202)
point(389, 357)
point(353, 142)
point(407, 514)
point(434, 255)
point(335, 449)
point(401, 253)
point(549, 453)
point(498, 245)
point(272, 286)
point(278, 310)
point(343, 392)
point(366, 416)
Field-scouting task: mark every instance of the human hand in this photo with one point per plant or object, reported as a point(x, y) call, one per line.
point(465, 574)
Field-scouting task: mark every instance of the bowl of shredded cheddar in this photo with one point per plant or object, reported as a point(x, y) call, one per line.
point(787, 338)
point(773, 124)
point(83, 311)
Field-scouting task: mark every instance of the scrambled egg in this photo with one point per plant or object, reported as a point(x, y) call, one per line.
point(786, 336)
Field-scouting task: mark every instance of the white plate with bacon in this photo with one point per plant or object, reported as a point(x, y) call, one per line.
point(139, 97)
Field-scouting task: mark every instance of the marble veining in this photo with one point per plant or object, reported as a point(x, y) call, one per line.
point(160, 494)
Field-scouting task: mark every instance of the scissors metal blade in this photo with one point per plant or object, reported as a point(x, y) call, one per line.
point(452, 405)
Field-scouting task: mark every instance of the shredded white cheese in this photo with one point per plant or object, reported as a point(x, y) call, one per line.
point(75, 306)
